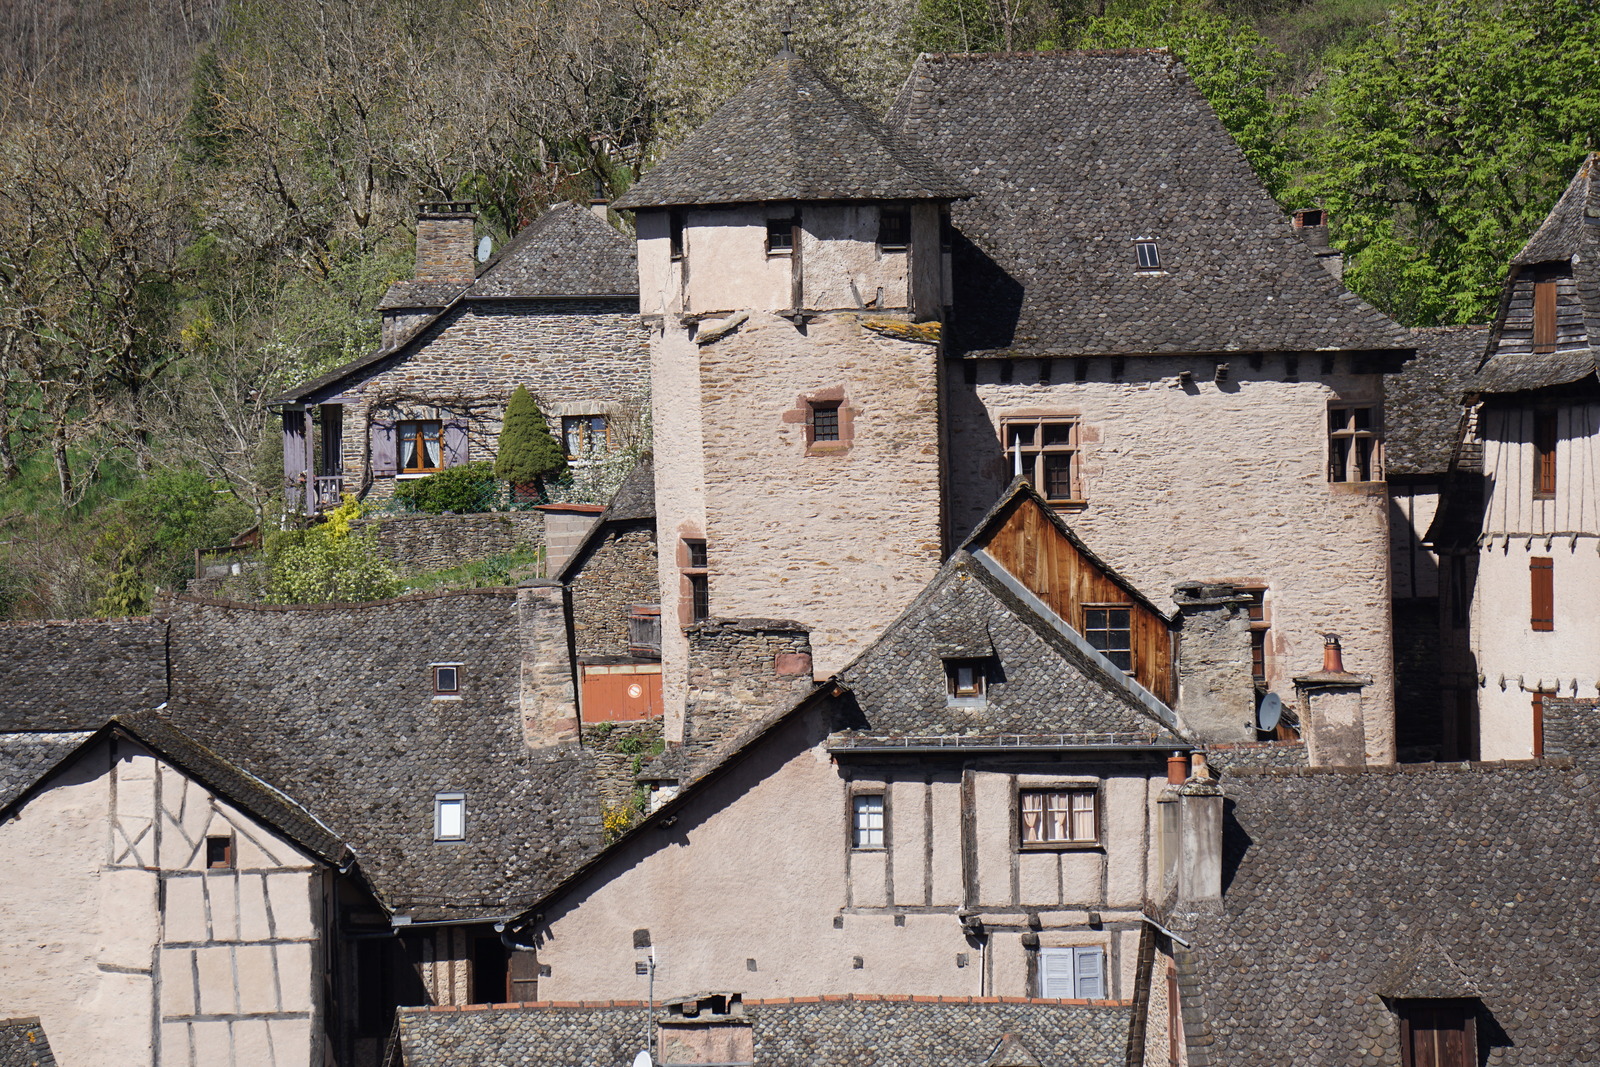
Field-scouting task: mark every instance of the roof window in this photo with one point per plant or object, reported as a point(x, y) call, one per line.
point(1148, 253)
point(449, 816)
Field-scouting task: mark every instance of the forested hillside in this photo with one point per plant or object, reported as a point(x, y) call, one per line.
point(202, 200)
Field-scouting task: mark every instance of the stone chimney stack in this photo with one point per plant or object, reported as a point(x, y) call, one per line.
point(1331, 713)
point(445, 242)
point(1311, 224)
point(741, 670)
point(1216, 689)
point(548, 697)
point(1196, 861)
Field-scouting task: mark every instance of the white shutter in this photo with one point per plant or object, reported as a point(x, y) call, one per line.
point(1089, 965)
point(1055, 972)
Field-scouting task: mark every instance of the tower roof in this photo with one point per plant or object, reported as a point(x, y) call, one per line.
point(791, 135)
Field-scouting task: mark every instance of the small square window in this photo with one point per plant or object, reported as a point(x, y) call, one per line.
point(1353, 444)
point(696, 551)
point(780, 236)
point(582, 434)
point(219, 852)
point(1109, 632)
point(1060, 816)
point(449, 816)
point(965, 679)
point(825, 420)
point(1149, 255)
point(447, 680)
point(894, 229)
point(867, 829)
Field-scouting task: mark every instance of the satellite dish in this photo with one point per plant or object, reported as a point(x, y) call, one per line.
point(485, 246)
point(642, 1059)
point(1270, 711)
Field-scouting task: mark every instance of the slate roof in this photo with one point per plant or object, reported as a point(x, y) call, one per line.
point(1046, 686)
point(1341, 887)
point(27, 757)
point(1422, 403)
point(791, 134)
point(1570, 233)
point(334, 706)
point(566, 252)
point(844, 1031)
point(23, 1044)
point(74, 675)
point(1071, 157)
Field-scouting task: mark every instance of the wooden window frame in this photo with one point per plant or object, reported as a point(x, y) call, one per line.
point(1343, 429)
point(417, 429)
point(1147, 254)
point(973, 690)
point(1545, 299)
point(1542, 594)
point(1035, 452)
point(1537, 703)
point(858, 832)
point(1069, 795)
point(440, 688)
point(894, 229)
point(1088, 628)
point(1545, 439)
point(226, 861)
point(585, 428)
point(783, 235)
point(676, 227)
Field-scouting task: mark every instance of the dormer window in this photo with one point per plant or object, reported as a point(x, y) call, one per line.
point(780, 236)
point(966, 680)
point(1148, 254)
point(894, 229)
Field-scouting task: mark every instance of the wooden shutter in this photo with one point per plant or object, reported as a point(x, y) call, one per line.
point(1544, 451)
point(1089, 965)
point(1542, 581)
point(1055, 972)
point(1438, 1033)
point(524, 974)
point(455, 444)
point(1538, 723)
point(382, 436)
point(1544, 316)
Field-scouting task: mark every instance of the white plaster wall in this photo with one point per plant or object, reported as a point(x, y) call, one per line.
point(725, 260)
point(759, 868)
point(1513, 660)
point(114, 975)
point(1213, 483)
point(843, 267)
point(839, 541)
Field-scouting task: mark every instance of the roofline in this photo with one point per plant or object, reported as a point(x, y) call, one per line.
point(676, 202)
point(468, 297)
point(979, 354)
point(958, 749)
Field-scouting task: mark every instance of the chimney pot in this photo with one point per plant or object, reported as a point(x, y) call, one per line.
point(1177, 768)
point(1332, 654)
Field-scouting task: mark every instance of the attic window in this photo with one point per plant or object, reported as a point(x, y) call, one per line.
point(1438, 1033)
point(1310, 217)
point(1109, 631)
point(966, 679)
point(449, 816)
point(894, 229)
point(1149, 255)
point(675, 233)
point(780, 236)
point(447, 679)
point(219, 852)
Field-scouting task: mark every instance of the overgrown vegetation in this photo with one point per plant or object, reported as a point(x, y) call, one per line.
point(464, 490)
point(330, 562)
point(498, 570)
point(202, 200)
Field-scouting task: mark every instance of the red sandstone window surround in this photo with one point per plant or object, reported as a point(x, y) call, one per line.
point(1050, 450)
point(694, 563)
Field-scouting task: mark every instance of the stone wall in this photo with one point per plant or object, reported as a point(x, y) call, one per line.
point(575, 356)
point(740, 671)
point(619, 750)
point(416, 543)
point(1186, 477)
point(619, 573)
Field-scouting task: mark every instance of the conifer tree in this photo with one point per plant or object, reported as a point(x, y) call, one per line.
point(528, 454)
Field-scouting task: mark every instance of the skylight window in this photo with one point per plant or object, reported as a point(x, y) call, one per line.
point(1149, 255)
point(449, 816)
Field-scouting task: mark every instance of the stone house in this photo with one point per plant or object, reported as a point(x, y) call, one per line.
point(1106, 302)
point(556, 310)
point(1524, 512)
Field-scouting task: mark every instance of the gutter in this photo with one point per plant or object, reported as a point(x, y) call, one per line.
point(1165, 931)
point(960, 749)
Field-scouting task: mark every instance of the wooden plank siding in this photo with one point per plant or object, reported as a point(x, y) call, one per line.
point(1035, 551)
point(1517, 331)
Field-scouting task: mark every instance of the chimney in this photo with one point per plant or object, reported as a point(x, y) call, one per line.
point(444, 242)
point(1312, 226)
point(1331, 713)
point(549, 702)
point(1216, 686)
point(741, 670)
point(599, 202)
point(1199, 833)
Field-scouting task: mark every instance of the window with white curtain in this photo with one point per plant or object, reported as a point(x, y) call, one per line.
point(1060, 816)
point(868, 820)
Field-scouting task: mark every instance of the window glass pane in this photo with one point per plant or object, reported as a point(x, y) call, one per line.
point(1361, 418)
point(444, 680)
point(1032, 818)
point(432, 449)
point(1339, 458)
point(697, 553)
point(825, 422)
point(451, 818)
point(868, 820)
point(1058, 476)
point(1149, 257)
point(1082, 827)
point(1060, 433)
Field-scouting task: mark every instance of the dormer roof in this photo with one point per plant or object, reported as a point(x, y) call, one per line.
point(791, 134)
point(1559, 237)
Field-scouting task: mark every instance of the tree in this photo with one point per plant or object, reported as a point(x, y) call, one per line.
point(1447, 135)
point(330, 562)
point(528, 455)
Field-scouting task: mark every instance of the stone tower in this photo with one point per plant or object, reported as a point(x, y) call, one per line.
point(792, 276)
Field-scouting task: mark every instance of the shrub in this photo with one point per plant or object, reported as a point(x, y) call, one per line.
point(528, 454)
point(328, 563)
point(464, 490)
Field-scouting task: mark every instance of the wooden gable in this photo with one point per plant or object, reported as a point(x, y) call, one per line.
point(1037, 551)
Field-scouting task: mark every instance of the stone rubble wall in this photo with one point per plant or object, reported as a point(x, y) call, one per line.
point(740, 671)
point(414, 543)
point(618, 574)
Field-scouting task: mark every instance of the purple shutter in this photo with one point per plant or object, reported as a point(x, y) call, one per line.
point(382, 448)
point(455, 444)
point(294, 457)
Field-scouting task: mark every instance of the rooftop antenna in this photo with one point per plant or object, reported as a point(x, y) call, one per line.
point(787, 29)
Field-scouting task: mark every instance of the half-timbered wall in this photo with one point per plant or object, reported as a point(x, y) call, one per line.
point(114, 930)
point(1029, 546)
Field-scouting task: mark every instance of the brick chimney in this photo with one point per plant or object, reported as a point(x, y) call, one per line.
point(445, 242)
